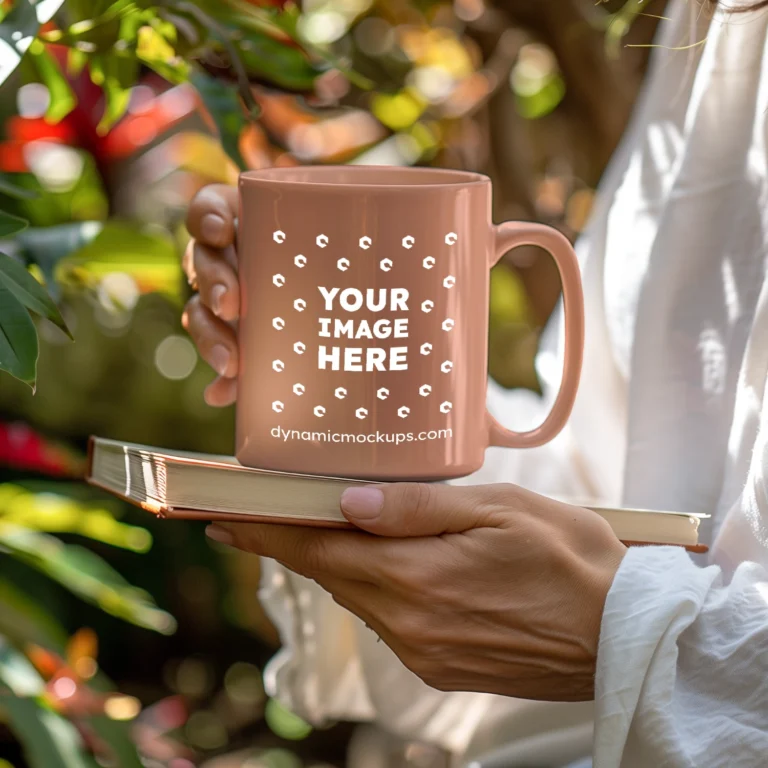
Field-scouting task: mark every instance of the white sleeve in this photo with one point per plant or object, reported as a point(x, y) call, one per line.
point(682, 665)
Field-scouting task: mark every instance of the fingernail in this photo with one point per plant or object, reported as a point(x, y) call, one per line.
point(362, 503)
point(212, 228)
point(217, 294)
point(217, 533)
point(219, 359)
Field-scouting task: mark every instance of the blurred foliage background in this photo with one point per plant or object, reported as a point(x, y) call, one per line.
point(114, 113)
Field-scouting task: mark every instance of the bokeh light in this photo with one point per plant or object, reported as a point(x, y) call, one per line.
point(284, 723)
point(33, 100)
point(243, 684)
point(57, 166)
point(204, 729)
point(374, 36)
point(122, 707)
point(175, 357)
point(118, 291)
point(322, 27)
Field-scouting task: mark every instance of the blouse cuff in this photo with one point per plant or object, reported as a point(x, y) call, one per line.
point(657, 593)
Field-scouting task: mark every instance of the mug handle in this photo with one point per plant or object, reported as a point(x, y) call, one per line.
point(510, 235)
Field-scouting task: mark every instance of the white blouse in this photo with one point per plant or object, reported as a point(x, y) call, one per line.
point(671, 414)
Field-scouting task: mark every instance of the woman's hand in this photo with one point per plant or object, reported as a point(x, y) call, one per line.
point(486, 588)
point(211, 267)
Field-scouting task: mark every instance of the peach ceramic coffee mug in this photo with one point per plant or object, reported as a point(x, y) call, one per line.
point(364, 322)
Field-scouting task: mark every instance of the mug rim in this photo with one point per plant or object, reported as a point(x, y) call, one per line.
point(286, 176)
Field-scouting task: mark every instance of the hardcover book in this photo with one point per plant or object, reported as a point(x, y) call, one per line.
point(197, 486)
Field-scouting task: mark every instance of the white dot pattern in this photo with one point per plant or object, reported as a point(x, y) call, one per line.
point(343, 264)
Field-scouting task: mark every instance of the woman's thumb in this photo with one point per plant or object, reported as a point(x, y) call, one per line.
point(411, 509)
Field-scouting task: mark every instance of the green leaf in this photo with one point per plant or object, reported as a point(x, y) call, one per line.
point(29, 292)
point(95, 10)
point(290, 67)
point(284, 723)
point(18, 338)
point(158, 53)
point(17, 673)
point(244, 15)
point(223, 105)
point(86, 575)
point(283, 65)
point(150, 259)
point(56, 513)
point(22, 620)
point(62, 97)
point(118, 736)
point(76, 61)
point(116, 74)
point(17, 30)
point(48, 739)
point(10, 224)
point(7, 187)
point(47, 246)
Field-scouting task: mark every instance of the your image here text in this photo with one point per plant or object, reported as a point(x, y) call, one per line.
point(358, 358)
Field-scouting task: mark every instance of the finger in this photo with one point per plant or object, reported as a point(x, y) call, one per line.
point(211, 215)
point(217, 282)
point(221, 392)
point(214, 339)
point(316, 554)
point(421, 509)
point(188, 264)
